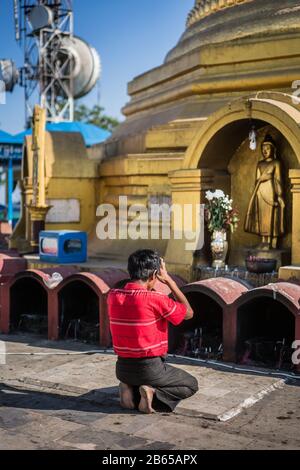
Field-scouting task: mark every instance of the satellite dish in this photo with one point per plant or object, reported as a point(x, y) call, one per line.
point(9, 74)
point(58, 66)
point(86, 68)
point(40, 17)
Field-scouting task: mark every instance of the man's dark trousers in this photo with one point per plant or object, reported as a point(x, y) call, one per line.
point(171, 384)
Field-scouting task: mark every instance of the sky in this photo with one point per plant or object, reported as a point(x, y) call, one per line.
point(131, 36)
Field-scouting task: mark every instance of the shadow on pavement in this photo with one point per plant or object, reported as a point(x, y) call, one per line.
point(45, 401)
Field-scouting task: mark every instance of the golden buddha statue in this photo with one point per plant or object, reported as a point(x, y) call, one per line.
point(265, 215)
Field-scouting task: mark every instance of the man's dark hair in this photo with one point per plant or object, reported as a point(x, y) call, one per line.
point(142, 264)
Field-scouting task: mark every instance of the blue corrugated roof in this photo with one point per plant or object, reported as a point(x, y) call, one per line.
point(19, 138)
point(6, 138)
point(91, 134)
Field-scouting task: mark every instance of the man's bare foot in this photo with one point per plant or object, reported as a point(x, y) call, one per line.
point(147, 394)
point(126, 396)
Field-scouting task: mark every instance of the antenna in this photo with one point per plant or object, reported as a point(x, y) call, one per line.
point(46, 73)
point(17, 20)
point(58, 66)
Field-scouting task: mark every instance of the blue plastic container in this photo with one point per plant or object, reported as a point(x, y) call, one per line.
point(63, 246)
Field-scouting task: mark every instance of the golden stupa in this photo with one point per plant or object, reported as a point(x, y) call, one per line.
point(188, 121)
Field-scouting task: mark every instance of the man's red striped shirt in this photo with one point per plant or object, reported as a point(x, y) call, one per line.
point(139, 320)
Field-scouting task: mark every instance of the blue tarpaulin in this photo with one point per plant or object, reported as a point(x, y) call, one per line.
point(6, 139)
point(92, 135)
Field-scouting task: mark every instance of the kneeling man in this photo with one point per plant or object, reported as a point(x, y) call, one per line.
point(139, 319)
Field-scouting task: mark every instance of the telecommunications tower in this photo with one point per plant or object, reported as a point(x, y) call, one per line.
point(58, 66)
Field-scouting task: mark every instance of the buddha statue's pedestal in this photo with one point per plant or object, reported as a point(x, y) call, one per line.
point(239, 254)
point(283, 257)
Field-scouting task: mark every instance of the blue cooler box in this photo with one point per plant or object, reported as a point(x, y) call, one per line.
point(63, 246)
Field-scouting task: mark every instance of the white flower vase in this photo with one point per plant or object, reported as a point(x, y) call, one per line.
point(219, 248)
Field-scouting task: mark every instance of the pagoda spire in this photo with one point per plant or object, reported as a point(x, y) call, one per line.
point(205, 8)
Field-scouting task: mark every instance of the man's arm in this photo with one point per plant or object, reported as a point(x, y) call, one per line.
point(165, 278)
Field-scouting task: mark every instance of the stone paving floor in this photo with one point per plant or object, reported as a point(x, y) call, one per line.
point(47, 402)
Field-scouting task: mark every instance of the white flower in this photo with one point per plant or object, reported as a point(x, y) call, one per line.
point(219, 194)
point(209, 195)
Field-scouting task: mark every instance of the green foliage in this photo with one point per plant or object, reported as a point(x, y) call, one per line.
point(219, 213)
point(96, 116)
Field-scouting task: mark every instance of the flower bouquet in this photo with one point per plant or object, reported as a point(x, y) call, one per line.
point(219, 213)
point(220, 216)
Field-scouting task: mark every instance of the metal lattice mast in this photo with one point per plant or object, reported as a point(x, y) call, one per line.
point(47, 71)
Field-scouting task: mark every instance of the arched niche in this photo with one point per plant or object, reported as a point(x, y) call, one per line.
point(222, 147)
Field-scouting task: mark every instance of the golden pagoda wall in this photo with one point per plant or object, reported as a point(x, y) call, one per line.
point(204, 8)
point(230, 53)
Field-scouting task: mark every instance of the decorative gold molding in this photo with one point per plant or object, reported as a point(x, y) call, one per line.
point(205, 8)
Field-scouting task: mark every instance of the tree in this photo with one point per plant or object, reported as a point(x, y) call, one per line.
point(96, 116)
